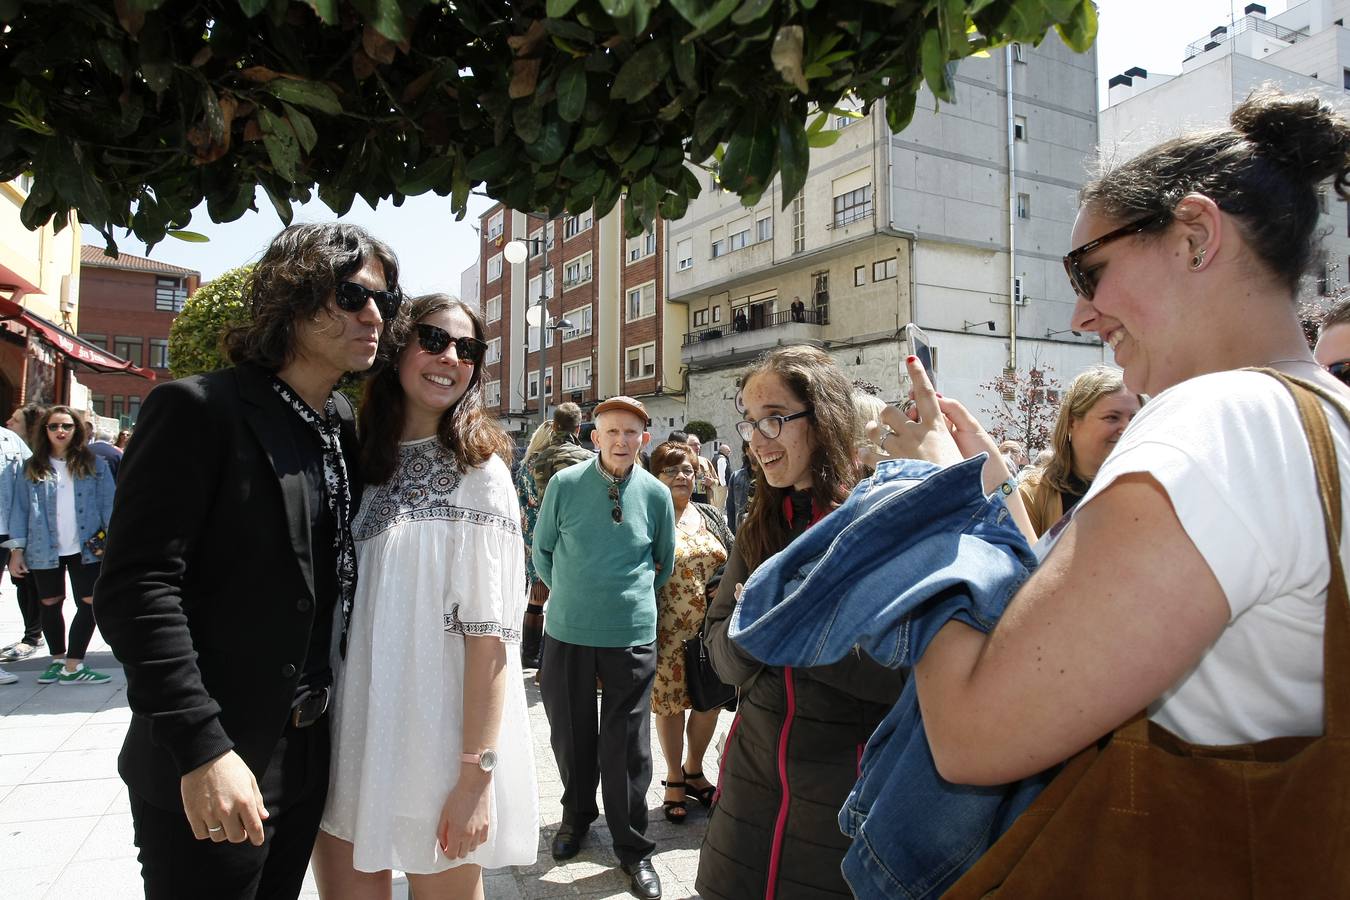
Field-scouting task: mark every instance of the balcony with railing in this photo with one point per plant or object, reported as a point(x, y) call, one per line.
point(754, 327)
point(1245, 24)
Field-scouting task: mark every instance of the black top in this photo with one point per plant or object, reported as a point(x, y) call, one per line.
point(1078, 488)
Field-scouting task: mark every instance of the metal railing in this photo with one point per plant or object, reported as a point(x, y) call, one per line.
point(748, 323)
point(1246, 23)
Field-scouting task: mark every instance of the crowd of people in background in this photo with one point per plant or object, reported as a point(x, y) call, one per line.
point(392, 584)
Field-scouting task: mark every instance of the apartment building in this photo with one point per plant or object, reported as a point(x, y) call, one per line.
point(127, 306)
point(605, 330)
point(957, 224)
point(1306, 48)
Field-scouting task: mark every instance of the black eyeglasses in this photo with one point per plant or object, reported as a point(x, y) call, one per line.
point(617, 512)
point(434, 339)
point(1340, 371)
point(352, 297)
point(60, 426)
point(1085, 285)
point(769, 426)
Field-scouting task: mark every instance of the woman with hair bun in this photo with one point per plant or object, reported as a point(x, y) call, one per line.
point(1192, 578)
point(1092, 417)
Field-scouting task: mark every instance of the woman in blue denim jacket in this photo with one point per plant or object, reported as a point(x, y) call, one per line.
point(61, 506)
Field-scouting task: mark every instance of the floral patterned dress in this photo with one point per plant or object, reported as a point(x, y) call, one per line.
point(681, 605)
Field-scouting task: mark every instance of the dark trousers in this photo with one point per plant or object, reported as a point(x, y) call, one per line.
point(615, 753)
point(26, 594)
point(175, 865)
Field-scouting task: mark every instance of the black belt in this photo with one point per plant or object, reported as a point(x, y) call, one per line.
point(309, 707)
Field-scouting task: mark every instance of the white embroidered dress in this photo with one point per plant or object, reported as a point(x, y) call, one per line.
point(439, 557)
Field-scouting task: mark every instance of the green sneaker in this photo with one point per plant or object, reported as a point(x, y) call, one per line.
point(51, 673)
point(83, 675)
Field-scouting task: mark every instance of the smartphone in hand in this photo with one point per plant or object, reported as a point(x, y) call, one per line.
point(919, 345)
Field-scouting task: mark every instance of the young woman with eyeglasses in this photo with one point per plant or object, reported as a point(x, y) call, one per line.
point(792, 752)
point(1333, 341)
point(702, 542)
point(61, 507)
point(432, 763)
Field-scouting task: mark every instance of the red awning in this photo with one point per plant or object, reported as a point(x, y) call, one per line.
point(77, 349)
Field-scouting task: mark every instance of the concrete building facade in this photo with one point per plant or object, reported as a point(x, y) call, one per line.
point(128, 303)
point(942, 225)
point(1306, 48)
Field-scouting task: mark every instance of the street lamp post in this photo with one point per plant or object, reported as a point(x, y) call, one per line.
point(516, 252)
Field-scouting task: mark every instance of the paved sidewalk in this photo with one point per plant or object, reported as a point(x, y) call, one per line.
point(65, 826)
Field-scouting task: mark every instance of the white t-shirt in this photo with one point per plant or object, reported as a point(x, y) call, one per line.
point(1230, 452)
point(67, 534)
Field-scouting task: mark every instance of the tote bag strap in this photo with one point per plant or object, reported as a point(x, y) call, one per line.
point(1336, 632)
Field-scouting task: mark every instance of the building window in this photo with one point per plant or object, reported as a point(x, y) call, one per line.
point(494, 267)
point(1345, 76)
point(853, 205)
point(494, 351)
point(641, 361)
point(496, 224)
point(492, 393)
point(170, 294)
point(764, 229)
point(540, 286)
point(717, 314)
point(1024, 206)
point(99, 402)
point(493, 308)
point(577, 375)
point(575, 225)
point(581, 323)
point(798, 225)
point(98, 340)
point(684, 252)
point(532, 385)
point(643, 245)
point(537, 242)
point(883, 269)
point(133, 409)
point(738, 234)
point(129, 348)
point(118, 407)
point(578, 271)
point(159, 353)
point(641, 302)
point(1020, 128)
point(859, 276)
point(718, 248)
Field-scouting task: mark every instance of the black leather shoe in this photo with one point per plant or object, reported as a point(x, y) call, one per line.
point(646, 883)
point(567, 842)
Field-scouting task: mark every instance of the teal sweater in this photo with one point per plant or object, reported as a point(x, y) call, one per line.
point(602, 576)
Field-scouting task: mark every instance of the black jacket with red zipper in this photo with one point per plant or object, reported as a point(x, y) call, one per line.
point(790, 760)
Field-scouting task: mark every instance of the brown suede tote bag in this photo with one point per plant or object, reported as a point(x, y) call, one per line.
point(1143, 814)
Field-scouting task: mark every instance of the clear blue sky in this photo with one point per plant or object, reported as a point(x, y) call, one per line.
point(433, 249)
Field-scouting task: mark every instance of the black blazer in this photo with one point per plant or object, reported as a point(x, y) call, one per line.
point(207, 591)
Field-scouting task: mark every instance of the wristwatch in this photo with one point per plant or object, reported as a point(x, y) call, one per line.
point(487, 760)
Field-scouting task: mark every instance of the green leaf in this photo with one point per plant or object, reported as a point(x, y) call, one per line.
point(490, 165)
point(326, 10)
point(281, 204)
point(704, 15)
point(421, 180)
point(750, 10)
point(819, 139)
point(386, 16)
point(900, 110)
point(748, 164)
point(713, 114)
point(642, 71)
point(935, 72)
point(559, 8)
point(686, 63)
point(572, 91)
point(192, 237)
point(313, 94)
point(303, 127)
point(794, 156)
point(283, 149)
point(1080, 31)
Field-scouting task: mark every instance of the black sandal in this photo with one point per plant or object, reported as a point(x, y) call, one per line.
point(672, 805)
point(704, 795)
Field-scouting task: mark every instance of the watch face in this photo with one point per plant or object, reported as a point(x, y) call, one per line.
point(487, 760)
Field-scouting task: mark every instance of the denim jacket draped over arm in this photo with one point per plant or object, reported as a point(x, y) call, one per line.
point(914, 547)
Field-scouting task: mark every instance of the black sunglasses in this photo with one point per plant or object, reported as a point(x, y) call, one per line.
point(1340, 371)
point(434, 339)
point(1085, 285)
point(352, 297)
point(60, 426)
point(617, 513)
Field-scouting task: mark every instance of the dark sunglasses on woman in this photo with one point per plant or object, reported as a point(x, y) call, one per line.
point(1340, 371)
point(434, 339)
point(65, 426)
point(352, 297)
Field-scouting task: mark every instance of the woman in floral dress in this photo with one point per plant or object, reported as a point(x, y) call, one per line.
point(702, 543)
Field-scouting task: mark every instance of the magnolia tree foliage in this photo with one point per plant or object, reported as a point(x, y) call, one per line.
point(1026, 406)
point(133, 112)
point(196, 334)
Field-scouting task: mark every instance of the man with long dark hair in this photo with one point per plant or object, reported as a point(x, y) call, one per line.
point(230, 571)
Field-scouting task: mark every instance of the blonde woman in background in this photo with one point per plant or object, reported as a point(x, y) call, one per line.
point(867, 408)
point(1092, 417)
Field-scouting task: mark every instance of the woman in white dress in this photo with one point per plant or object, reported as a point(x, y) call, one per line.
point(432, 763)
